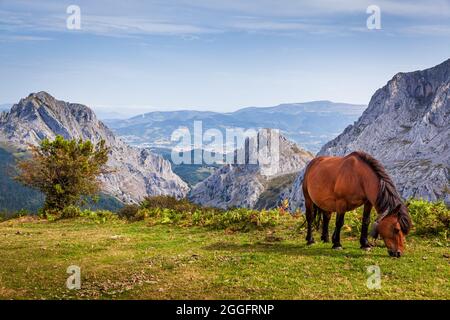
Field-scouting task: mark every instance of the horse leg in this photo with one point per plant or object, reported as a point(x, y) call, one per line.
point(309, 219)
point(365, 226)
point(326, 221)
point(337, 231)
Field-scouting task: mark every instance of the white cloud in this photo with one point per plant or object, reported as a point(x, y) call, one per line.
point(308, 8)
point(16, 22)
point(108, 25)
point(20, 38)
point(270, 25)
point(253, 24)
point(191, 18)
point(428, 30)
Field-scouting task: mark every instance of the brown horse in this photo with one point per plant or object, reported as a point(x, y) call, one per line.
point(341, 184)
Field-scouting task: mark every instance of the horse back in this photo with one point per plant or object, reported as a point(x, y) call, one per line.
point(329, 180)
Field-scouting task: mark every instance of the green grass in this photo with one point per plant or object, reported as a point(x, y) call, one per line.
point(121, 260)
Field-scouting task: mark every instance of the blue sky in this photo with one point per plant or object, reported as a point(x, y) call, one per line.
point(132, 56)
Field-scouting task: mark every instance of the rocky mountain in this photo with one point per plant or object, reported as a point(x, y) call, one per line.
point(136, 172)
point(407, 127)
point(309, 124)
point(256, 184)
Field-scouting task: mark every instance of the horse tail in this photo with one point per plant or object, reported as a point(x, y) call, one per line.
point(317, 216)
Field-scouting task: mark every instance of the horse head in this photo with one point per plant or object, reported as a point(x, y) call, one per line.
point(392, 226)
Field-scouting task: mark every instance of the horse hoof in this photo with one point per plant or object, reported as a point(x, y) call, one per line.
point(366, 248)
point(310, 242)
point(337, 248)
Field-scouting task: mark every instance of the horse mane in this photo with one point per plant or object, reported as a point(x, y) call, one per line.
point(388, 197)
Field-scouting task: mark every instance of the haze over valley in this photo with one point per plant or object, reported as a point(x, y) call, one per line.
point(309, 124)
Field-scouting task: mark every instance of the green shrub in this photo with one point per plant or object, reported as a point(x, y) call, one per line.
point(169, 210)
point(430, 218)
point(141, 214)
point(129, 212)
point(65, 171)
point(99, 216)
point(168, 202)
point(70, 212)
point(234, 219)
point(245, 219)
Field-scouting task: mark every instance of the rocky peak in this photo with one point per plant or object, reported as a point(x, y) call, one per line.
point(412, 92)
point(407, 127)
point(137, 172)
point(241, 185)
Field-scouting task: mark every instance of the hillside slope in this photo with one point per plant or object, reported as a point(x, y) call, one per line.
point(13, 195)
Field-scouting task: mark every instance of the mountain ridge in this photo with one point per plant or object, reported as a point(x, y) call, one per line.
point(309, 124)
point(407, 127)
point(137, 172)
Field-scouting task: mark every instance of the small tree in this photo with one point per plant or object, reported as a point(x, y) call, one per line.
point(64, 170)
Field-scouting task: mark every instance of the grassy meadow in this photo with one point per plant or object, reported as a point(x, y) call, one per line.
point(158, 259)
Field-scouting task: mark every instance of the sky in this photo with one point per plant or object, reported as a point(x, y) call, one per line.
point(134, 56)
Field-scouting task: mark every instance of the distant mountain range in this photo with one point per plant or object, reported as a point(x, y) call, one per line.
point(309, 124)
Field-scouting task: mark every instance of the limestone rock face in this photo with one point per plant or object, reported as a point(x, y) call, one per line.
point(136, 172)
point(407, 127)
point(241, 185)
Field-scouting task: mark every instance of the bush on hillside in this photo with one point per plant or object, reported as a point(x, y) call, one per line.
point(99, 216)
point(169, 210)
point(179, 205)
point(65, 171)
point(129, 212)
point(70, 212)
point(430, 218)
point(234, 219)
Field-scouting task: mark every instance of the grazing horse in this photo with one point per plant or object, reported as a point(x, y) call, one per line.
point(341, 184)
